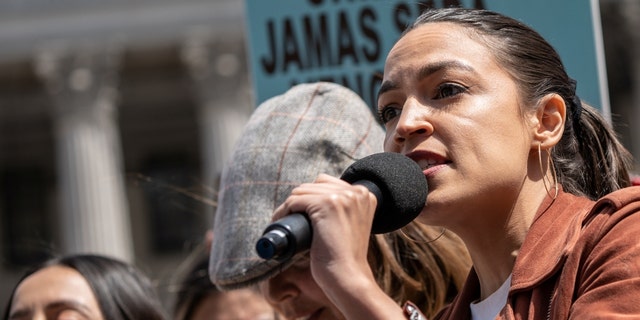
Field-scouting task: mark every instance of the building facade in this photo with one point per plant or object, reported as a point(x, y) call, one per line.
point(116, 117)
point(115, 121)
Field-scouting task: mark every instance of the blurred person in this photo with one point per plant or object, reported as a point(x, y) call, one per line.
point(198, 299)
point(84, 286)
point(289, 139)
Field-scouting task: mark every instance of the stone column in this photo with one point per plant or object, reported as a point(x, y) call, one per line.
point(217, 68)
point(93, 207)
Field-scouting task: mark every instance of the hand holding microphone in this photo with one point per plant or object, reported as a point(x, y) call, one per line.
point(397, 183)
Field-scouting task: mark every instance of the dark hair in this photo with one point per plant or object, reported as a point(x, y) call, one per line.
point(589, 159)
point(419, 263)
point(122, 291)
point(194, 287)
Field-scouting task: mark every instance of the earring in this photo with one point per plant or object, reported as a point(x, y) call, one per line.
point(544, 177)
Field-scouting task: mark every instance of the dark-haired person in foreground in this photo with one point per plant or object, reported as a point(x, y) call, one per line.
point(84, 286)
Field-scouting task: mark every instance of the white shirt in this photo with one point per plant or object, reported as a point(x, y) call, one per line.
point(489, 308)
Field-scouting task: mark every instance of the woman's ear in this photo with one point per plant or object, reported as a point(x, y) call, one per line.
point(548, 121)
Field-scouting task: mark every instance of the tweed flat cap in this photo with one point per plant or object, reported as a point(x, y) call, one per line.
point(291, 138)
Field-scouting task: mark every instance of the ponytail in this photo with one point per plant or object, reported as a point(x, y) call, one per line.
point(590, 159)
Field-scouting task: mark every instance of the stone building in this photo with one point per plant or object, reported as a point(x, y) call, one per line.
point(115, 120)
point(116, 117)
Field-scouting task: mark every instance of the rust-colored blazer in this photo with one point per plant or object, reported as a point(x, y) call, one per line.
point(580, 260)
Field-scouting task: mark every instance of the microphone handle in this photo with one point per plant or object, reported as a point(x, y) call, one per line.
point(284, 238)
point(292, 234)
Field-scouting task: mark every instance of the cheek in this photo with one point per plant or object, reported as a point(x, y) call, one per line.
point(388, 144)
point(309, 287)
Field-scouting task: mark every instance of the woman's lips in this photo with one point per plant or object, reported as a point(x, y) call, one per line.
point(429, 162)
point(431, 170)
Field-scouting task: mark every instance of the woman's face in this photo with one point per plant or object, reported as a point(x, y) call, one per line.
point(238, 304)
point(55, 293)
point(450, 106)
point(295, 295)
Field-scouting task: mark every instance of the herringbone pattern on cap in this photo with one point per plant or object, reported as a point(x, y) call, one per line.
point(291, 138)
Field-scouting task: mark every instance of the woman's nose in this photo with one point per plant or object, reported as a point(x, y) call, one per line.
point(412, 122)
point(39, 316)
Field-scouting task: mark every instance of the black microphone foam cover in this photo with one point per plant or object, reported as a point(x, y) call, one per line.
point(402, 183)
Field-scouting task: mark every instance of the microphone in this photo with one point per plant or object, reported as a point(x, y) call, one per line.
point(397, 183)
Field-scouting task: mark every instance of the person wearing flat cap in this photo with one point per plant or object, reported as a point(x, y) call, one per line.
point(318, 128)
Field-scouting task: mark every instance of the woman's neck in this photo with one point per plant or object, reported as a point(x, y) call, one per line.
point(494, 238)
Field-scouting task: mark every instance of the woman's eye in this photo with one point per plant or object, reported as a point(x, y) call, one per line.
point(448, 90)
point(70, 314)
point(387, 113)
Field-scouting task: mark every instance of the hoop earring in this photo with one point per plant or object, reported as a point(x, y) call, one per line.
point(545, 178)
point(406, 236)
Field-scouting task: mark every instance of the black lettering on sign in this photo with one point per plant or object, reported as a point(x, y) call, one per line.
point(269, 63)
point(290, 49)
point(345, 39)
point(404, 14)
point(367, 24)
point(479, 4)
point(364, 84)
point(318, 41)
point(290, 46)
point(402, 17)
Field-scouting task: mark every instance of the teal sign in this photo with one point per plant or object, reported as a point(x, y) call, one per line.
point(346, 41)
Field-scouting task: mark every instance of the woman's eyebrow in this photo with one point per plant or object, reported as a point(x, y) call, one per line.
point(69, 304)
point(20, 313)
point(431, 68)
point(426, 71)
point(386, 86)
